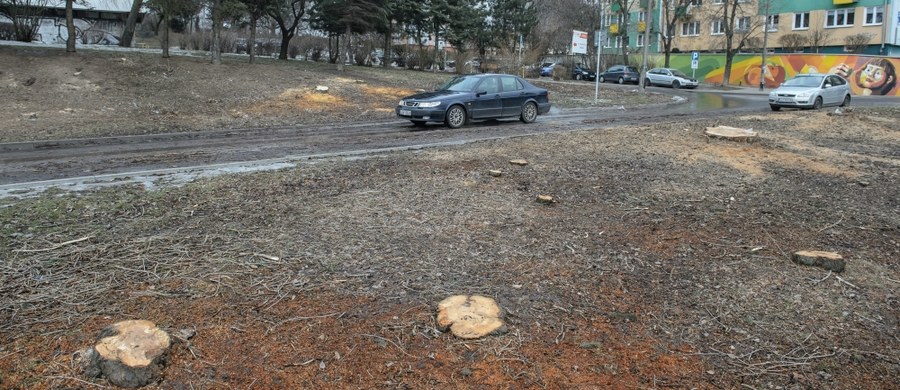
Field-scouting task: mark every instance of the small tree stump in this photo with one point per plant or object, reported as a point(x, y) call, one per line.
point(469, 317)
point(546, 199)
point(519, 162)
point(827, 260)
point(730, 133)
point(130, 353)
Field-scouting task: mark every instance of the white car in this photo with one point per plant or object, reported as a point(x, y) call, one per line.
point(811, 91)
point(669, 77)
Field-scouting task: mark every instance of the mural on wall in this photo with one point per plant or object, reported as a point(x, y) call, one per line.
point(868, 75)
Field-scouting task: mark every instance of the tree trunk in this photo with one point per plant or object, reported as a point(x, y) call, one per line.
point(251, 45)
point(215, 49)
point(165, 39)
point(128, 34)
point(286, 37)
point(387, 53)
point(70, 27)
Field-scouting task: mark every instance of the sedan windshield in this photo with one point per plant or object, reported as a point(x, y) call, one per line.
point(804, 81)
point(460, 84)
point(678, 73)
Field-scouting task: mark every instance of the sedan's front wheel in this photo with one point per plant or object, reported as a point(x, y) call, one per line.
point(774, 107)
point(676, 84)
point(817, 104)
point(846, 101)
point(456, 117)
point(602, 79)
point(578, 77)
point(621, 80)
point(529, 112)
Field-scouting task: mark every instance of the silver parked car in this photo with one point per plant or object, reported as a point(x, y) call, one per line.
point(669, 77)
point(811, 91)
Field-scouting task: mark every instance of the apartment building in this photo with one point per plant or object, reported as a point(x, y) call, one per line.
point(795, 26)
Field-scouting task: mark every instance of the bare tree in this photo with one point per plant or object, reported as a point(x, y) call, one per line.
point(288, 14)
point(792, 42)
point(857, 43)
point(673, 11)
point(25, 16)
point(128, 33)
point(818, 38)
point(739, 28)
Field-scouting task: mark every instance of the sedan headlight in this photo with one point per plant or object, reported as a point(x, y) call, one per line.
point(402, 103)
point(430, 104)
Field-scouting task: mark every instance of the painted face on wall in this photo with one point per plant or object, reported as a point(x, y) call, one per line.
point(872, 76)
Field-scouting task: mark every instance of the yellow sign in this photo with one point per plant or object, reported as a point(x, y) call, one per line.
point(614, 28)
point(642, 26)
point(842, 2)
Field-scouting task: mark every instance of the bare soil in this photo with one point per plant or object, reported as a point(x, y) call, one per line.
point(664, 261)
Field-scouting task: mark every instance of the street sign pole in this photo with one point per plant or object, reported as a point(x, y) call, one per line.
point(695, 63)
point(599, 38)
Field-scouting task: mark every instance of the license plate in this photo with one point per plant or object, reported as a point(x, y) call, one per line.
point(785, 100)
point(405, 112)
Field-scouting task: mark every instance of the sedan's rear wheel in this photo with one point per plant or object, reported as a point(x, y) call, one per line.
point(774, 107)
point(846, 101)
point(676, 84)
point(456, 117)
point(602, 80)
point(647, 82)
point(817, 104)
point(529, 112)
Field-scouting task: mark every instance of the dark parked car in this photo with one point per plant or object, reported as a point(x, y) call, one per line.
point(583, 73)
point(621, 74)
point(547, 68)
point(476, 97)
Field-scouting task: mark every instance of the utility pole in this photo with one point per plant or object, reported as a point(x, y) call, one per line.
point(647, 25)
point(599, 38)
point(762, 66)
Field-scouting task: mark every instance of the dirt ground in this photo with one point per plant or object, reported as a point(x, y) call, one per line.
point(665, 261)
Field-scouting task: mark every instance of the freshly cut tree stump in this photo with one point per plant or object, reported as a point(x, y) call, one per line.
point(469, 317)
point(130, 353)
point(730, 133)
point(827, 260)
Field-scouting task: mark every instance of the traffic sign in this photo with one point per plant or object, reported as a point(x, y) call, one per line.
point(695, 60)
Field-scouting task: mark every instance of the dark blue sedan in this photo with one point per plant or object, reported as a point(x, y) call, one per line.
point(476, 97)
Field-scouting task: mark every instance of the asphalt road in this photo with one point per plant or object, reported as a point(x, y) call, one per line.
point(28, 168)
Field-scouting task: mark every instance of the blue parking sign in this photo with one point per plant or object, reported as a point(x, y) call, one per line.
point(695, 56)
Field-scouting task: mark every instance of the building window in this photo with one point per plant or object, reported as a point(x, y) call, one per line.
point(718, 27)
point(743, 24)
point(772, 23)
point(874, 15)
point(839, 17)
point(801, 21)
point(690, 29)
point(640, 40)
point(612, 41)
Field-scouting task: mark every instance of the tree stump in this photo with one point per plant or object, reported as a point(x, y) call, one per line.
point(129, 353)
point(469, 317)
point(730, 133)
point(827, 260)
